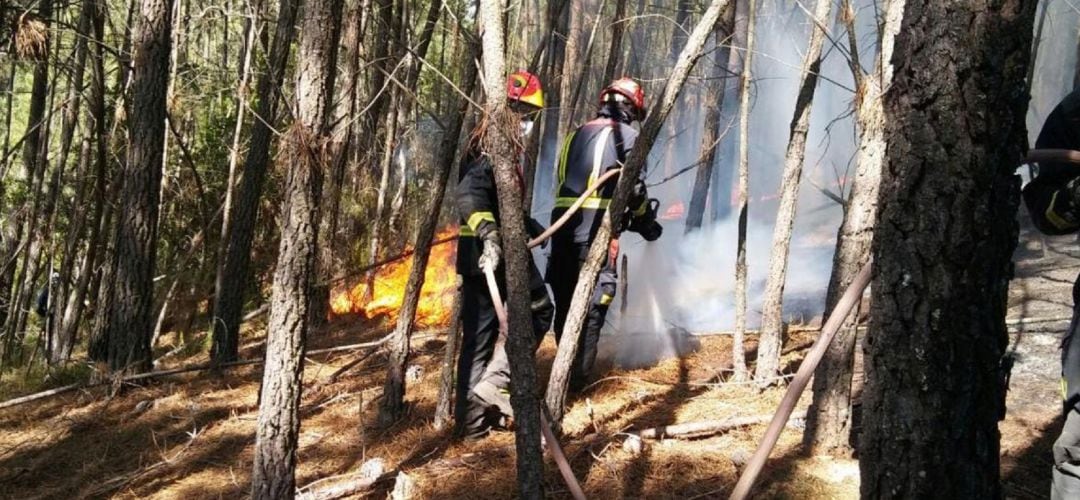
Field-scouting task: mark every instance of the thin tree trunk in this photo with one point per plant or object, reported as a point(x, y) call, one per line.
point(738, 354)
point(618, 27)
point(308, 140)
point(34, 166)
point(560, 371)
point(520, 342)
point(829, 419)
point(392, 406)
point(572, 67)
point(943, 242)
point(450, 354)
point(232, 276)
point(770, 341)
point(710, 136)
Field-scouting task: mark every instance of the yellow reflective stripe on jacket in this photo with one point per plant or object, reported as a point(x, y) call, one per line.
point(465, 231)
point(606, 299)
point(477, 217)
point(593, 203)
point(639, 211)
point(563, 156)
point(1053, 216)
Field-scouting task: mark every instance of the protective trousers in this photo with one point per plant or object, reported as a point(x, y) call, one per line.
point(1066, 473)
point(564, 266)
point(483, 357)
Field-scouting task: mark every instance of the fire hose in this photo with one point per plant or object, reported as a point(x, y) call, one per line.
point(496, 298)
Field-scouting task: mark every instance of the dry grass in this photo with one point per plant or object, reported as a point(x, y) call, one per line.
point(191, 436)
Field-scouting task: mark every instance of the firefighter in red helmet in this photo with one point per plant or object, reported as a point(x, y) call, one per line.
point(483, 371)
point(587, 153)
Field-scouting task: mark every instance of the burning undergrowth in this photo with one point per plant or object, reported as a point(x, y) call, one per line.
point(386, 292)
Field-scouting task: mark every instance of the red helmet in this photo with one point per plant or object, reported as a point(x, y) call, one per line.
point(524, 87)
point(628, 89)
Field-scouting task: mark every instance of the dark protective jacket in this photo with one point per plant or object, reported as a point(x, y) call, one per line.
point(478, 204)
point(588, 152)
point(1052, 209)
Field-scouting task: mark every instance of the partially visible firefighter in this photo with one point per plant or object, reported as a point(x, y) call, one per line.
point(483, 379)
point(1053, 199)
point(587, 153)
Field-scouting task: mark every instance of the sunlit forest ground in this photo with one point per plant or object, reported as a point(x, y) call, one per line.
point(192, 435)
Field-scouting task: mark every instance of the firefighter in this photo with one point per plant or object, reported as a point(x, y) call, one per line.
point(483, 370)
point(588, 153)
point(1053, 199)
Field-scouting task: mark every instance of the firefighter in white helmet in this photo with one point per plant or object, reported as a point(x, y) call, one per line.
point(587, 153)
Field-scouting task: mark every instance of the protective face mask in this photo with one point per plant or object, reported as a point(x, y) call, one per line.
point(526, 127)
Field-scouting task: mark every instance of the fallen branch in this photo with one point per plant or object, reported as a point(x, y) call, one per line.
point(1033, 321)
point(694, 430)
point(200, 367)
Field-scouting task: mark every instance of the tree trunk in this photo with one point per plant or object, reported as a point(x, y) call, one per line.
point(828, 423)
point(560, 371)
point(943, 242)
point(450, 354)
point(233, 274)
point(710, 135)
point(770, 342)
point(130, 319)
point(279, 397)
point(572, 68)
point(738, 354)
point(34, 166)
point(520, 342)
point(618, 27)
point(392, 406)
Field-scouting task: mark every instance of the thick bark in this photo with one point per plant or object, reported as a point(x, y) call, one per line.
point(738, 354)
point(233, 274)
point(520, 342)
point(560, 371)
point(710, 135)
point(828, 423)
point(308, 139)
point(130, 319)
point(944, 237)
point(770, 342)
point(392, 406)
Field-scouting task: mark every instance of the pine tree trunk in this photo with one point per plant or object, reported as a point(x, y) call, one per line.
point(560, 370)
point(738, 354)
point(130, 319)
point(520, 342)
point(829, 419)
point(710, 135)
point(572, 67)
point(618, 27)
point(770, 341)
point(232, 276)
point(305, 152)
point(943, 242)
point(393, 406)
point(450, 354)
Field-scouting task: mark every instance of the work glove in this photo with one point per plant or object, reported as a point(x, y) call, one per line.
point(645, 224)
point(534, 228)
point(492, 253)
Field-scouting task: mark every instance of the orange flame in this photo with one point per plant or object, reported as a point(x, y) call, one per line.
point(436, 297)
point(676, 211)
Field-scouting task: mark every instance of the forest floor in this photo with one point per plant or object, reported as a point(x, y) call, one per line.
point(192, 435)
